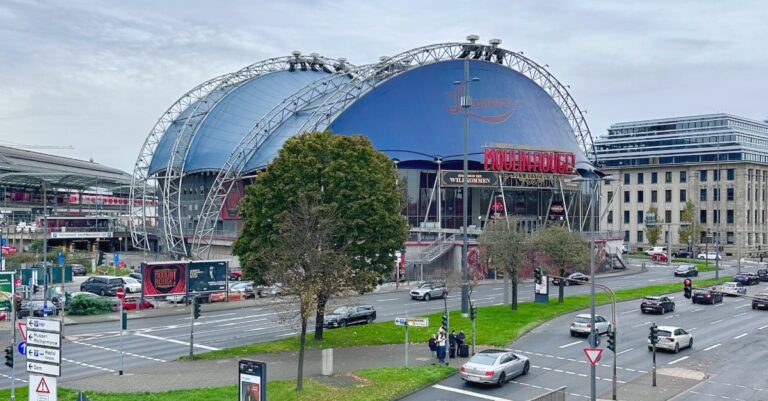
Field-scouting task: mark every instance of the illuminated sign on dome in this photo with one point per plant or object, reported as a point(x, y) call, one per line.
point(529, 161)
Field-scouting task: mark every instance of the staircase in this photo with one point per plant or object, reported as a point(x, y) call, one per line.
point(431, 252)
point(620, 260)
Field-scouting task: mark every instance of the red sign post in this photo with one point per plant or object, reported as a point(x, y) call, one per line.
point(120, 293)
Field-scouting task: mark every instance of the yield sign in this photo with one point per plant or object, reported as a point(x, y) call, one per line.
point(23, 330)
point(593, 355)
point(42, 387)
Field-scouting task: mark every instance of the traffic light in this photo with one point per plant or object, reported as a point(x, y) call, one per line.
point(687, 288)
point(100, 259)
point(472, 312)
point(445, 322)
point(195, 308)
point(612, 340)
point(537, 275)
point(654, 337)
point(9, 356)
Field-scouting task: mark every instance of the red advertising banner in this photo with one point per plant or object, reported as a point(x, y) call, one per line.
point(164, 278)
point(529, 161)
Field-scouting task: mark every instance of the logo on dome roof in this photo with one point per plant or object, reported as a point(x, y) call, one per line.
point(489, 109)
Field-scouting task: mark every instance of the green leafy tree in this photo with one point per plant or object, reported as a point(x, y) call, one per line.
point(347, 177)
point(567, 250)
point(692, 228)
point(653, 232)
point(504, 245)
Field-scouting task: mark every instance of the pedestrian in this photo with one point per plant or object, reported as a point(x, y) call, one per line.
point(460, 338)
point(433, 348)
point(452, 344)
point(441, 346)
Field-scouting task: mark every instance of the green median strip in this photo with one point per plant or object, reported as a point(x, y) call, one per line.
point(495, 325)
point(379, 384)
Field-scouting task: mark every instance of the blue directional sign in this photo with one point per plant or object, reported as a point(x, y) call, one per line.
point(22, 348)
point(61, 259)
point(117, 258)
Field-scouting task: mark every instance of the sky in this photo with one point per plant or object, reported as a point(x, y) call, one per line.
point(98, 74)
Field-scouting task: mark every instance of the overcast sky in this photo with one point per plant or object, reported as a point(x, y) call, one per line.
point(97, 74)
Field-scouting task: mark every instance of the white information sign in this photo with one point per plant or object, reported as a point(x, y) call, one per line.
point(412, 321)
point(40, 354)
point(44, 325)
point(43, 369)
point(42, 388)
point(43, 338)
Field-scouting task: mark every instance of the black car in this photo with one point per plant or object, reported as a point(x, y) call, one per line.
point(102, 285)
point(573, 278)
point(38, 309)
point(686, 271)
point(346, 315)
point(706, 297)
point(657, 304)
point(762, 274)
point(683, 253)
point(747, 278)
point(77, 270)
point(760, 301)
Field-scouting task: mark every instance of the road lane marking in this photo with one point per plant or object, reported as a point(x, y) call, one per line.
point(640, 325)
point(171, 340)
point(88, 365)
point(677, 360)
point(569, 344)
point(692, 329)
point(626, 350)
point(287, 334)
point(629, 311)
point(469, 393)
point(9, 377)
point(387, 300)
point(740, 314)
point(711, 347)
point(697, 310)
point(762, 327)
point(671, 316)
point(716, 321)
point(741, 306)
point(118, 351)
point(740, 336)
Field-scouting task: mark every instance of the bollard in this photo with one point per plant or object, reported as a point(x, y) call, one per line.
point(327, 362)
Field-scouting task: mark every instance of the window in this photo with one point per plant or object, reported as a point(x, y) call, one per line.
point(668, 216)
point(729, 194)
point(703, 175)
point(626, 196)
point(639, 196)
point(654, 177)
point(729, 216)
point(639, 236)
point(626, 236)
point(668, 195)
point(715, 175)
point(729, 174)
point(702, 216)
point(729, 237)
point(703, 194)
point(626, 217)
point(668, 177)
point(749, 193)
point(716, 216)
point(640, 178)
point(715, 194)
point(653, 196)
point(682, 195)
point(610, 217)
point(639, 217)
point(749, 175)
point(683, 176)
point(681, 216)
point(626, 178)
point(610, 195)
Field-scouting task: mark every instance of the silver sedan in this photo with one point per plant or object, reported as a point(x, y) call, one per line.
point(494, 366)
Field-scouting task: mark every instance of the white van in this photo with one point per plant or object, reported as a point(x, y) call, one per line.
point(656, 249)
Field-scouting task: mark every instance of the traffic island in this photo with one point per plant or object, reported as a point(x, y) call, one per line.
point(669, 383)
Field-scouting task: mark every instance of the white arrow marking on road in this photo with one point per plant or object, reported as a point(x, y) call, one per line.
point(568, 345)
point(740, 336)
point(677, 360)
point(710, 348)
point(469, 393)
point(626, 350)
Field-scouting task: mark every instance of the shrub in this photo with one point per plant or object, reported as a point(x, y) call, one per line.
point(112, 271)
point(82, 305)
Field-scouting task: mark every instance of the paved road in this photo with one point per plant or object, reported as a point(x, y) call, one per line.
point(92, 349)
point(729, 339)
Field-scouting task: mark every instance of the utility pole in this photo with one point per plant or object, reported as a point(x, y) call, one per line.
point(592, 368)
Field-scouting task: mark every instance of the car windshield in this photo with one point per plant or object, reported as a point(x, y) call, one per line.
point(761, 296)
point(649, 299)
point(425, 285)
point(665, 333)
point(130, 280)
point(701, 292)
point(582, 319)
point(483, 359)
point(340, 310)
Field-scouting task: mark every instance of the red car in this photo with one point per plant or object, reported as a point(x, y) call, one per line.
point(660, 257)
point(133, 304)
point(9, 250)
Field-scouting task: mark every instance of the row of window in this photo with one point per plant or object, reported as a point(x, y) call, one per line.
point(683, 196)
point(759, 216)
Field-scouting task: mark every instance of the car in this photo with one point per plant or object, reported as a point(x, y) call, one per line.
point(624, 248)
point(38, 309)
point(657, 304)
point(672, 339)
point(686, 271)
point(343, 316)
point(427, 291)
point(102, 285)
point(683, 253)
point(746, 278)
point(136, 276)
point(235, 275)
point(245, 289)
point(573, 278)
point(655, 249)
point(760, 301)
point(136, 303)
point(270, 290)
point(582, 325)
point(708, 256)
point(77, 270)
point(494, 366)
point(131, 285)
point(762, 274)
point(733, 288)
point(706, 296)
point(660, 257)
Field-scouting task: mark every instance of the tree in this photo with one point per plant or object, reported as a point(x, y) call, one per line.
point(566, 249)
point(692, 228)
point(652, 233)
point(503, 244)
point(353, 182)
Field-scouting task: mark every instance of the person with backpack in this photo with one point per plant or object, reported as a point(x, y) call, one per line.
point(441, 340)
point(433, 348)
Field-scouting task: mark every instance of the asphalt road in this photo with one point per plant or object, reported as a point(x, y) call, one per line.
point(94, 348)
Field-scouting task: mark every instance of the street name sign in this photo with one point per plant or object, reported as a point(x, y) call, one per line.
point(47, 355)
point(43, 368)
point(593, 355)
point(44, 325)
point(43, 338)
point(411, 321)
point(42, 388)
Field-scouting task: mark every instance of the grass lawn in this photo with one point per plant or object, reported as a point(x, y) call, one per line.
point(379, 384)
point(496, 325)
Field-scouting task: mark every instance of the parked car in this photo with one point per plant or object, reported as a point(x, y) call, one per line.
point(102, 285)
point(131, 285)
point(136, 303)
point(235, 275)
point(746, 278)
point(733, 288)
point(657, 305)
point(136, 276)
point(38, 309)
point(582, 325)
point(655, 249)
point(683, 253)
point(494, 366)
point(624, 248)
point(672, 339)
point(760, 301)
point(346, 315)
point(762, 274)
point(660, 257)
point(686, 271)
point(705, 296)
point(709, 256)
point(427, 291)
point(77, 270)
point(273, 290)
point(573, 278)
point(245, 289)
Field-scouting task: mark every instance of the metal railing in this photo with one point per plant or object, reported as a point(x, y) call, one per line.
point(432, 251)
point(554, 395)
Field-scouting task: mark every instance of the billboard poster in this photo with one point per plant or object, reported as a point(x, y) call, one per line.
point(164, 278)
point(252, 381)
point(6, 290)
point(208, 275)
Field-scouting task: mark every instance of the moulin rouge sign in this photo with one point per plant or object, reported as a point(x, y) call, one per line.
point(528, 161)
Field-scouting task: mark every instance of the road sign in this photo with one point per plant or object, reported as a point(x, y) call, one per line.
point(44, 339)
point(40, 354)
point(23, 330)
point(42, 388)
point(412, 321)
point(44, 325)
point(120, 293)
point(43, 368)
point(593, 355)
point(22, 347)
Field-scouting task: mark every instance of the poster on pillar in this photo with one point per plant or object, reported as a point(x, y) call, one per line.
point(543, 287)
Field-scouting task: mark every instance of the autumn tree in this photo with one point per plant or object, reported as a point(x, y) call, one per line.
point(349, 179)
point(689, 224)
point(567, 250)
point(653, 232)
point(504, 245)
